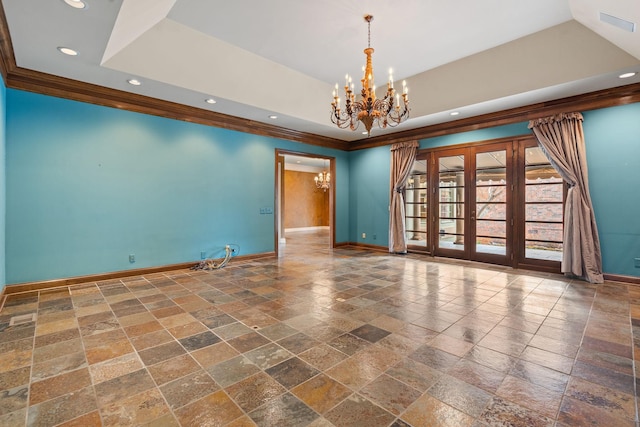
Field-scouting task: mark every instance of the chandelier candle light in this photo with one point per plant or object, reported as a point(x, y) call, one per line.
point(369, 110)
point(323, 180)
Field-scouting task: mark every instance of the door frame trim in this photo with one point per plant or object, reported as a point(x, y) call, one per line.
point(277, 201)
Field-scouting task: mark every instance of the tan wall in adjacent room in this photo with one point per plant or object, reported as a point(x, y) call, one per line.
point(304, 205)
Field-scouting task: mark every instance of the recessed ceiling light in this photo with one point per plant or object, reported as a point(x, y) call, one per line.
point(210, 101)
point(627, 75)
point(67, 51)
point(134, 82)
point(77, 4)
point(273, 116)
point(454, 113)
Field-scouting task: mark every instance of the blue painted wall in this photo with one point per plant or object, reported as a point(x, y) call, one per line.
point(3, 95)
point(369, 192)
point(613, 152)
point(476, 135)
point(89, 185)
point(612, 136)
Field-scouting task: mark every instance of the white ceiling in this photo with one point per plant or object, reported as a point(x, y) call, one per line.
point(283, 57)
point(306, 164)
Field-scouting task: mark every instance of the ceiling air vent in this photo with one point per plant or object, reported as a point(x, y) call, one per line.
point(618, 22)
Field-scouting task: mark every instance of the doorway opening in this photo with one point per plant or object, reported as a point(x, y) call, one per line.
point(304, 208)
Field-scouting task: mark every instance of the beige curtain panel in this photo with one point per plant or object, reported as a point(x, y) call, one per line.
point(562, 140)
point(403, 154)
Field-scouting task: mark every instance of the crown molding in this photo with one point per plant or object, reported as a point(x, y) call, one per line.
point(47, 84)
point(34, 81)
point(616, 96)
point(7, 59)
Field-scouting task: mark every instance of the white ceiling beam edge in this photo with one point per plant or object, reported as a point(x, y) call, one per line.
point(222, 70)
point(552, 57)
point(522, 66)
point(134, 19)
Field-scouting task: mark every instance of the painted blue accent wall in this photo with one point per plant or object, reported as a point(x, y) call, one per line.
point(613, 153)
point(476, 135)
point(369, 193)
point(612, 137)
point(3, 180)
point(84, 186)
point(89, 185)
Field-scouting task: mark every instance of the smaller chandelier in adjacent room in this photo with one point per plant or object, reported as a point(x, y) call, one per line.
point(323, 180)
point(384, 112)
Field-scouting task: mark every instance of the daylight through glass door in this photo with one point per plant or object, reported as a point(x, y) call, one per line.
point(498, 201)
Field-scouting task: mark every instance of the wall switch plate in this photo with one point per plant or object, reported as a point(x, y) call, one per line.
point(636, 262)
point(132, 258)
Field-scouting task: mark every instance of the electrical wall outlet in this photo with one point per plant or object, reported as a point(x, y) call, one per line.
point(203, 255)
point(132, 258)
point(364, 235)
point(375, 236)
point(636, 262)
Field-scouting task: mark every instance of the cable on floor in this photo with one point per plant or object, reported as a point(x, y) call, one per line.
point(210, 264)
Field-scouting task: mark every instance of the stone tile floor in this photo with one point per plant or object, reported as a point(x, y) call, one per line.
point(320, 338)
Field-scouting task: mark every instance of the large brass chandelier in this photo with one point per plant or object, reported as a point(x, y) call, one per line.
point(369, 109)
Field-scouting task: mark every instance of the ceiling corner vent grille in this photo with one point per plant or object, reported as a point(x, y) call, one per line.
point(618, 22)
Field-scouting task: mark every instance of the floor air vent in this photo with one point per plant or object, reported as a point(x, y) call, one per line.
point(22, 319)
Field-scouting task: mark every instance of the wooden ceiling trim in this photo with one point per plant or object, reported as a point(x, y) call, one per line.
point(7, 59)
point(621, 95)
point(47, 84)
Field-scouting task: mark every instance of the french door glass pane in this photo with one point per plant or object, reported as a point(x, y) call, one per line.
point(415, 224)
point(543, 212)
point(544, 207)
point(542, 192)
point(489, 229)
point(451, 234)
point(451, 202)
point(494, 245)
point(492, 211)
point(491, 202)
point(417, 239)
point(495, 193)
point(550, 252)
point(416, 205)
point(543, 231)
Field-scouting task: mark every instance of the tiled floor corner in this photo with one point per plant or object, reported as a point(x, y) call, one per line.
point(323, 338)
